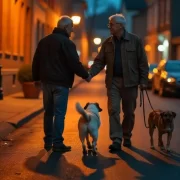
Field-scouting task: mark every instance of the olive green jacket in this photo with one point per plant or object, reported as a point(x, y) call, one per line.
point(134, 61)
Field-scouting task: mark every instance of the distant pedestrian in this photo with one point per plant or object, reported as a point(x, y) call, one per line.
point(54, 65)
point(127, 67)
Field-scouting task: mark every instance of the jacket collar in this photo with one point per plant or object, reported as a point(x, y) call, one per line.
point(60, 31)
point(126, 36)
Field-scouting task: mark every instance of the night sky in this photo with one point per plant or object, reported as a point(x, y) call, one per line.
point(102, 6)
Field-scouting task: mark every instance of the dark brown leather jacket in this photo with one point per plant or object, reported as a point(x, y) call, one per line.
point(134, 61)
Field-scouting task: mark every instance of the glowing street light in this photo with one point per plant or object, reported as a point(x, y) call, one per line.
point(76, 19)
point(166, 43)
point(161, 48)
point(97, 41)
point(147, 48)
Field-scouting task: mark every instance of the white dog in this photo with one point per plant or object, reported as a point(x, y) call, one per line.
point(89, 124)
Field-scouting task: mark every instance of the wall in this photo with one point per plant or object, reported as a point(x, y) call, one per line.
point(22, 24)
point(15, 43)
point(139, 26)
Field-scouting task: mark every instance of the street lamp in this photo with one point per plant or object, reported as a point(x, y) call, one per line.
point(76, 19)
point(161, 48)
point(147, 48)
point(97, 41)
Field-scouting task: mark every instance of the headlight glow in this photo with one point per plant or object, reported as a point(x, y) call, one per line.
point(171, 80)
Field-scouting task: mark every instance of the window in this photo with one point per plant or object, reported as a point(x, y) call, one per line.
point(42, 31)
point(51, 4)
point(0, 27)
point(167, 14)
point(150, 19)
point(162, 12)
point(7, 34)
point(37, 32)
point(22, 29)
point(156, 15)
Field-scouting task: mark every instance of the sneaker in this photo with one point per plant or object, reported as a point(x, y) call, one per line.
point(127, 143)
point(61, 148)
point(115, 147)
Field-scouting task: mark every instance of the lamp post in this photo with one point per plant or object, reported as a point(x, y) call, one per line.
point(97, 41)
point(76, 19)
point(1, 89)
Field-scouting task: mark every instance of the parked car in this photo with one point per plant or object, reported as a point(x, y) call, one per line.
point(166, 78)
point(150, 75)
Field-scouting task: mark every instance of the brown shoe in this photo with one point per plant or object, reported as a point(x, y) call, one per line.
point(115, 147)
point(61, 148)
point(127, 143)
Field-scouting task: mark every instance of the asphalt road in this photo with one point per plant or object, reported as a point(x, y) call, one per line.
point(24, 158)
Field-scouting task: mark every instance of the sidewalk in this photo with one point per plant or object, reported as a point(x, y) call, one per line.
point(15, 110)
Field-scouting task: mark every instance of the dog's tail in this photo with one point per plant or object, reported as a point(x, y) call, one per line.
point(81, 111)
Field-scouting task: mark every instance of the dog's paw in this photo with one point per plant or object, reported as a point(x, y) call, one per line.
point(168, 150)
point(152, 147)
point(89, 146)
point(84, 152)
point(162, 148)
point(94, 153)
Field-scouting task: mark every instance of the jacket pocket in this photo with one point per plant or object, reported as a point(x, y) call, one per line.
point(131, 56)
point(131, 52)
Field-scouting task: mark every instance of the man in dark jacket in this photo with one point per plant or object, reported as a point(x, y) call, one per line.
point(54, 65)
point(127, 67)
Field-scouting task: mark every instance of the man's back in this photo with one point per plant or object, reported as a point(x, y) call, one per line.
point(58, 60)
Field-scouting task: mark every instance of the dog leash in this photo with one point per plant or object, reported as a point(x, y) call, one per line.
point(142, 103)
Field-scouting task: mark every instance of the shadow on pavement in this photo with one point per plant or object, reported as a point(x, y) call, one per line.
point(172, 155)
point(56, 165)
point(99, 163)
point(155, 169)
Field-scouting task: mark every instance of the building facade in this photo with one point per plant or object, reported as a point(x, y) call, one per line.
point(136, 16)
point(22, 24)
point(163, 30)
point(15, 40)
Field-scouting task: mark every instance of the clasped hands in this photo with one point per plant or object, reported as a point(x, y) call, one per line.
point(89, 78)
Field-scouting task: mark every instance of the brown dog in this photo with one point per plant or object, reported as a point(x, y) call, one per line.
point(164, 121)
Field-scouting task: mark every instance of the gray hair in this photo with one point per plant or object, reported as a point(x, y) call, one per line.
point(64, 21)
point(119, 18)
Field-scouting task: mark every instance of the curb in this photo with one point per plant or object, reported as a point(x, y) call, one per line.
point(6, 127)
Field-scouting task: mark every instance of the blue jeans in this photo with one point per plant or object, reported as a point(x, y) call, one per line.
point(55, 99)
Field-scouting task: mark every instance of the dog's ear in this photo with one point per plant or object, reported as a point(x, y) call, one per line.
point(85, 107)
point(97, 105)
point(174, 114)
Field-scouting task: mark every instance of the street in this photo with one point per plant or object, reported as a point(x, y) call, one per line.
point(24, 158)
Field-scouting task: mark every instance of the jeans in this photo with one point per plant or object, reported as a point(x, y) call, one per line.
point(55, 99)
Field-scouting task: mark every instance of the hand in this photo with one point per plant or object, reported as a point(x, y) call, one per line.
point(37, 84)
point(89, 78)
point(143, 87)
